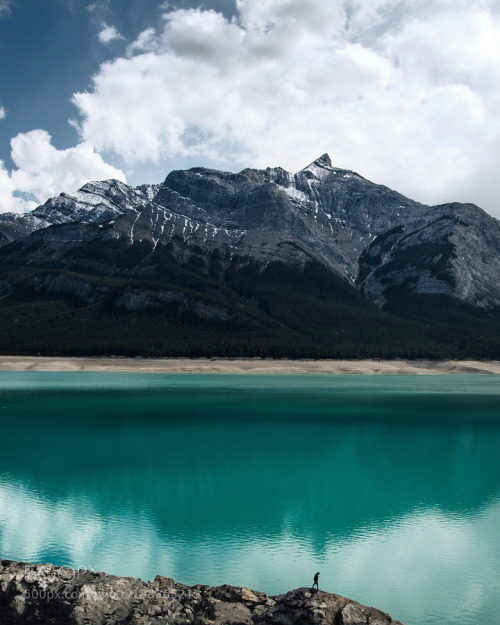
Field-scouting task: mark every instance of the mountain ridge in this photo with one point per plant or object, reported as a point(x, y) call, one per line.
point(263, 241)
point(337, 213)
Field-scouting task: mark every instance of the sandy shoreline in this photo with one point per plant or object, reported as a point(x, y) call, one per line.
point(220, 365)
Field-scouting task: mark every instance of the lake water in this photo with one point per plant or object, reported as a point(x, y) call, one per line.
point(387, 485)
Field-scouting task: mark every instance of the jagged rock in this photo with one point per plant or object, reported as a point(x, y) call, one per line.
point(42, 594)
point(62, 284)
point(139, 299)
point(133, 299)
point(373, 237)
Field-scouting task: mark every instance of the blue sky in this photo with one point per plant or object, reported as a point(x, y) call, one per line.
point(407, 93)
point(50, 48)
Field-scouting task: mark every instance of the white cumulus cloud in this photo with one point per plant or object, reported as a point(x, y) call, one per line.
point(407, 93)
point(107, 34)
point(42, 171)
point(3, 114)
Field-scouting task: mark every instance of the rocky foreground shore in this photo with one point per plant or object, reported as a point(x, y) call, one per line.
point(49, 595)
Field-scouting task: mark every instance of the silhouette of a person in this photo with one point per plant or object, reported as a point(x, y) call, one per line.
point(316, 577)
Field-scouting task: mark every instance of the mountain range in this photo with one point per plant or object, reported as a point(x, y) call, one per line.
point(320, 263)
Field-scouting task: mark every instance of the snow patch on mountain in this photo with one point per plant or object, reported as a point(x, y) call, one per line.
point(295, 194)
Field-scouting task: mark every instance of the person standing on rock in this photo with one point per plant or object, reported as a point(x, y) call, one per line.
point(316, 577)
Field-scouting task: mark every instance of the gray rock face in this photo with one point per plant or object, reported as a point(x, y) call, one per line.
point(95, 202)
point(371, 236)
point(129, 298)
point(62, 284)
point(457, 253)
point(139, 299)
point(42, 593)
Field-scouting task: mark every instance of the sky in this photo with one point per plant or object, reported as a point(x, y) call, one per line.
point(404, 92)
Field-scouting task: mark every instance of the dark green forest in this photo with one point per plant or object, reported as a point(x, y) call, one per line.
point(212, 306)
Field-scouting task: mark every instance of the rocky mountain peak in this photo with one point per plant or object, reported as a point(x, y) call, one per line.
point(323, 161)
point(367, 234)
point(318, 169)
point(100, 185)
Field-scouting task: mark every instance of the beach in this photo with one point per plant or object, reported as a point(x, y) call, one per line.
point(248, 366)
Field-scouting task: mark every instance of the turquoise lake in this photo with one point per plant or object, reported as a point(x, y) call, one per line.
point(387, 485)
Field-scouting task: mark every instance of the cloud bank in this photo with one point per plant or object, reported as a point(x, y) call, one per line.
point(407, 93)
point(44, 171)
